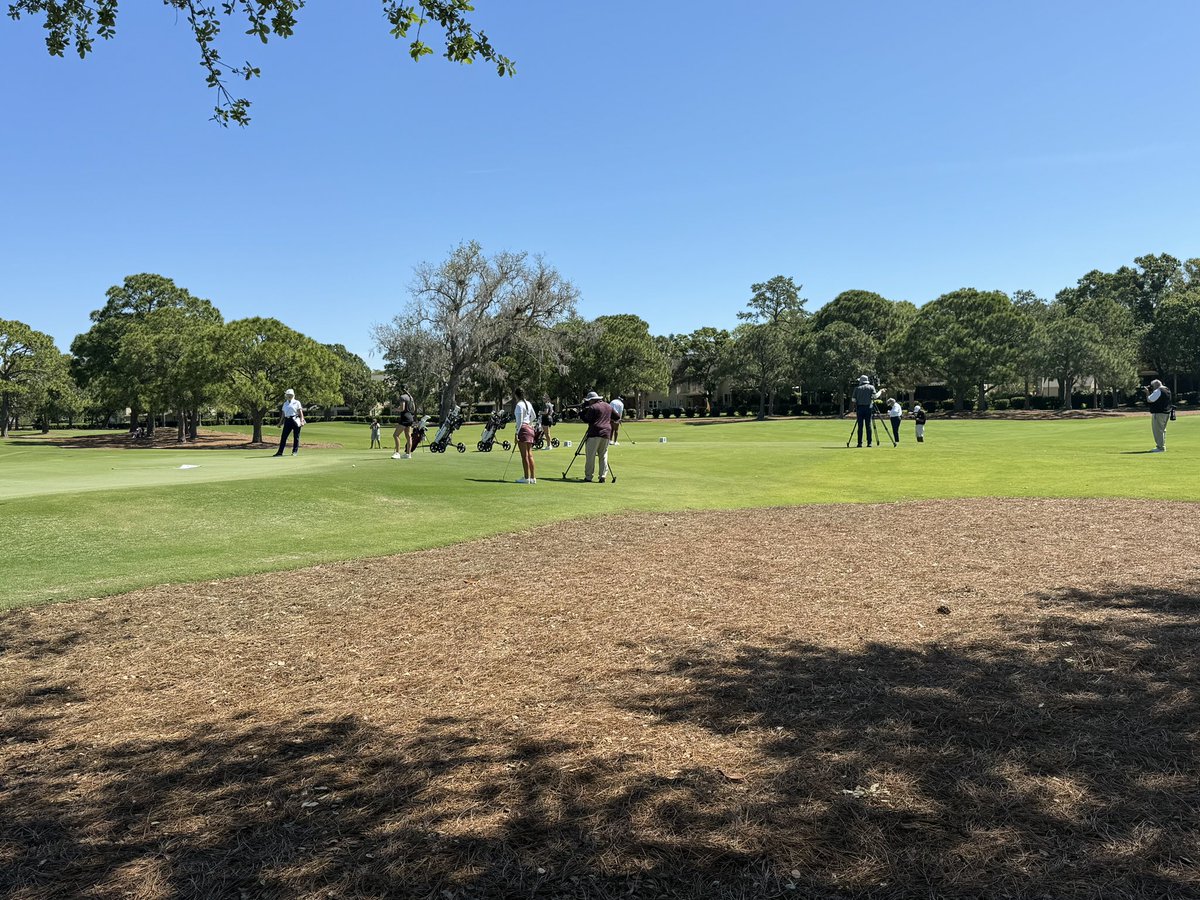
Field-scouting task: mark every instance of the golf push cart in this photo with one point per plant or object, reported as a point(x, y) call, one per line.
point(496, 422)
point(450, 424)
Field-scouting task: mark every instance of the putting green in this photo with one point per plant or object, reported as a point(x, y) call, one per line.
point(86, 522)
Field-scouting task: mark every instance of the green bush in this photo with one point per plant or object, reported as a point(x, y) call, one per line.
point(946, 405)
point(1017, 402)
point(1000, 405)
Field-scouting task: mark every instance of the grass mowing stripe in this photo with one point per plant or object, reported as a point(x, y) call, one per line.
point(90, 522)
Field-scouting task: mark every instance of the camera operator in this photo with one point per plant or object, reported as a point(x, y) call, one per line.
point(1158, 398)
point(598, 415)
point(864, 404)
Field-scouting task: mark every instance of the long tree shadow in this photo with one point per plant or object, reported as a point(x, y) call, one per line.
point(1059, 763)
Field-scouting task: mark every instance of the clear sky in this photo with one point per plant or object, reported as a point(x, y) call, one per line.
point(662, 155)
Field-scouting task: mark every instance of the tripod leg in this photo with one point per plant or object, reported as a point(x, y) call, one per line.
point(578, 448)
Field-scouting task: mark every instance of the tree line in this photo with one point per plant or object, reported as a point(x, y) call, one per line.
point(477, 325)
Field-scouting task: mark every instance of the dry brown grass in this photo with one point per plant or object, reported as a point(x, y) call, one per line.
point(755, 704)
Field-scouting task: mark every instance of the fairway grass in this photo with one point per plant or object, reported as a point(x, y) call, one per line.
point(89, 522)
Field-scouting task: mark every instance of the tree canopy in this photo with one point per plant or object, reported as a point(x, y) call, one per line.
point(476, 309)
point(967, 338)
point(266, 357)
point(26, 357)
point(76, 24)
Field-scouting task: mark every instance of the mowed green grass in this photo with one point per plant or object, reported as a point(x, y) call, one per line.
point(81, 523)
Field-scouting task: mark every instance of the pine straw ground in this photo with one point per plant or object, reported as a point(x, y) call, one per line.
point(758, 704)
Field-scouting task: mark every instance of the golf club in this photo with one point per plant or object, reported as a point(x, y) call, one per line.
point(504, 477)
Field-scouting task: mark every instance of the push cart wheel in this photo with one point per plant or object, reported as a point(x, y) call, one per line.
point(480, 447)
point(554, 443)
point(506, 445)
point(462, 448)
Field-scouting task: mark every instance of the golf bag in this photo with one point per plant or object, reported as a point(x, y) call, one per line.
point(417, 434)
point(450, 424)
point(496, 422)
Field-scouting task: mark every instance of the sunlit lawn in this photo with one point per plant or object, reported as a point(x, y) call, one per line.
point(77, 523)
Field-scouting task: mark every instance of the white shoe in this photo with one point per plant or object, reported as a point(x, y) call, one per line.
point(522, 481)
point(397, 456)
point(532, 481)
point(406, 456)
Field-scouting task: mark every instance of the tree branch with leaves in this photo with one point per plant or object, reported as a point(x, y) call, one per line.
point(76, 24)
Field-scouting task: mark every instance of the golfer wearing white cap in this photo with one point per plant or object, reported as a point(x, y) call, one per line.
point(292, 420)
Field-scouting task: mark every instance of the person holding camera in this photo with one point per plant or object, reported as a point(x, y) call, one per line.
point(598, 416)
point(864, 404)
point(1158, 398)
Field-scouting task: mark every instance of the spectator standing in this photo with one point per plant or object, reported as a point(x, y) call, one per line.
point(918, 414)
point(1159, 401)
point(292, 420)
point(523, 419)
point(598, 416)
point(895, 413)
point(406, 414)
point(618, 413)
point(375, 442)
point(547, 421)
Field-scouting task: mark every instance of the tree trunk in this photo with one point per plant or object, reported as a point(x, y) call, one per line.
point(762, 402)
point(448, 396)
point(256, 419)
point(4, 407)
point(193, 424)
point(981, 403)
point(150, 422)
point(180, 426)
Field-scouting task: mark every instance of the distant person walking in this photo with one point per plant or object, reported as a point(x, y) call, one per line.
point(918, 414)
point(864, 401)
point(618, 413)
point(598, 416)
point(895, 413)
point(1158, 398)
point(292, 420)
point(375, 442)
point(523, 419)
point(406, 414)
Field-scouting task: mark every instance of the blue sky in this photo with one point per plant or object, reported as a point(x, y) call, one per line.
point(663, 156)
